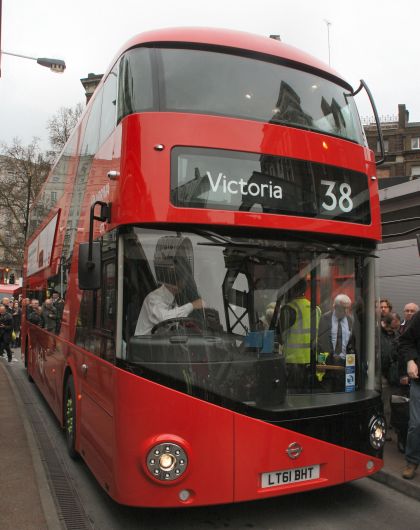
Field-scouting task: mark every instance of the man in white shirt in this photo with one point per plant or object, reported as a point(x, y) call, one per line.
point(160, 305)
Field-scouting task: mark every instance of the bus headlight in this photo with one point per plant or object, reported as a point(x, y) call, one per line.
point(377, 432)
point(167, 461)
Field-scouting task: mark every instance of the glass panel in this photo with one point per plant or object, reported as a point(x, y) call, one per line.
point(91, 135)
point(240, 321)
point(53, 188)
point(109, 101)
point(230, 180)
point(217, 83)
point(135, 91)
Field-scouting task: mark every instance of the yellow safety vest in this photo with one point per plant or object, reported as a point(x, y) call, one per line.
point(297, 339)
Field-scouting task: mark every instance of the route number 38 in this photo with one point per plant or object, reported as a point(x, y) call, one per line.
point(342, 199)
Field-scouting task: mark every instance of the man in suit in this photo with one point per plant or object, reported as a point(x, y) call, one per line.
point(335, 341)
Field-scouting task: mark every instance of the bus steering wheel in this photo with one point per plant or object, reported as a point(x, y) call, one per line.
point(177, 324)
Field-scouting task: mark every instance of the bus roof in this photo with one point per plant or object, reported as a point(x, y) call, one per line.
point(231, 39)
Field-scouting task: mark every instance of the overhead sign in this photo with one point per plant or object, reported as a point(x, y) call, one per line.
point(230, 180)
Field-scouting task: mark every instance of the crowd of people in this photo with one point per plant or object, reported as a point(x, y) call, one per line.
point(47, 315)
point(400, 357)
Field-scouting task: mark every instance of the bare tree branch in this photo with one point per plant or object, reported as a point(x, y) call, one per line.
point(61, 125)
point(23, 169)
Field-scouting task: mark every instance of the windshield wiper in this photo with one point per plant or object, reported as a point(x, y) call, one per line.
point(313, 245)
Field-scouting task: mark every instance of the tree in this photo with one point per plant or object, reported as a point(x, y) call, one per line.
point(62, 124)
point(23, 170)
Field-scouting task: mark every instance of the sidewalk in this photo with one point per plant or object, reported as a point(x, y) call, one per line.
point(390, 474)
point(26, 500)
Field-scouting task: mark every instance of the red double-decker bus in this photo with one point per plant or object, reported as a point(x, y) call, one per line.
point(212, 174)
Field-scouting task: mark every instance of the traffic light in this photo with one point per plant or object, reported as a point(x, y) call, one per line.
point(12, 278)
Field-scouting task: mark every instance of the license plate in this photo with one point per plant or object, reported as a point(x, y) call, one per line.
point(289, 476)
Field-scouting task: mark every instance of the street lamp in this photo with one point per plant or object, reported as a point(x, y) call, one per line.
point(55, 65)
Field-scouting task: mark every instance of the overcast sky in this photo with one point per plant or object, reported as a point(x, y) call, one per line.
point(376, 40)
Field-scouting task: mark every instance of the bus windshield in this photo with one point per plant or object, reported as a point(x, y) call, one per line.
point(246, 322)
point(210, 82)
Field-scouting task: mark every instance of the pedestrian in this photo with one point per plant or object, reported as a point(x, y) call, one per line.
point(17, 318)
point(6, 328)
point(389, 365)
point(409, 310)
point(396, 322)
point(409, 347)
point(386, 307)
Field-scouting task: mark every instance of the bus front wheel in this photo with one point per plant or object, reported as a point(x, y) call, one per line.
point(70, 417)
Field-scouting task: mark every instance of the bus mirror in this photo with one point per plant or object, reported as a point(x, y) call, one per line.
point(90, 269)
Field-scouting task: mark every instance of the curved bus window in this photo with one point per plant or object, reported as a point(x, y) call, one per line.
point(250, 323)
point(210, 82)
point(53, 188)
point(91, 135)
point(109, 100)
point(135, 91)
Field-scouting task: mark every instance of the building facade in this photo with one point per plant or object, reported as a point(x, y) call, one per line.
point(401, 145)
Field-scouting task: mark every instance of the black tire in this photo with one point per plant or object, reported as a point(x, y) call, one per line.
point(69, 405)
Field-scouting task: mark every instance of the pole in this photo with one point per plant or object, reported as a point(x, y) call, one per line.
point(328, 23)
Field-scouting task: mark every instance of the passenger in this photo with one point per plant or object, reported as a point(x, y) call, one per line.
point(265, 321)
point(58, 303)
point(35, 314)
point(295, 325)
point(49, 315)
point(336, 338)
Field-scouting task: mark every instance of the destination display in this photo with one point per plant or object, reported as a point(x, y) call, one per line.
point(230, 180)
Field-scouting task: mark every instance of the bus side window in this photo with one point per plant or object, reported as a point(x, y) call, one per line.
point(95, 328)
point(108, 114)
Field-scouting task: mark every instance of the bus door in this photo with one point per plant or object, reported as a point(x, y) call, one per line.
point(95, 333)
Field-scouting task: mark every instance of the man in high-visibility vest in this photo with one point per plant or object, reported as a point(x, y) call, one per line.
point(295, 321)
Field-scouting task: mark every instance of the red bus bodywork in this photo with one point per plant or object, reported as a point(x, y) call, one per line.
point(120, 416)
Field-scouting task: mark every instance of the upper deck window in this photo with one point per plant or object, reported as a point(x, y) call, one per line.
point(210, 82)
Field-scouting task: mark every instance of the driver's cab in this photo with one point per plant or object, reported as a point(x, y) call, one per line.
point(167, 335)
point(213, 349)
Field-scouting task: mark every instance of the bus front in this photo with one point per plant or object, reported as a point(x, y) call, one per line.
point(244, 184)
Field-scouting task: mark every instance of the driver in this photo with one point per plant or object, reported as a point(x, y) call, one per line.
point(176, 280)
